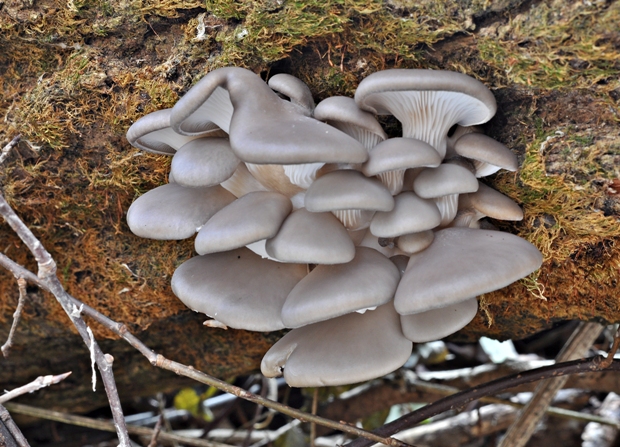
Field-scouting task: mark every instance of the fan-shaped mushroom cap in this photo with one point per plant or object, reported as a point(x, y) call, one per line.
point(343, 113)
point(438, 323)
point(348, 191)
point(172, 212)
point(489, 155)
point(152, 133)
point(458, 133)
point(337, 351)
point(237, 288)
point(263, 128)
point(204, 162)
point(461, 263)
point(427, 102)
point(369, 280)
point(295, 89)
point(415, 242)
point(343, 190)
point(486, 202)
point(411, 214)
point(255, 216)
point(389, 160)
point(311, 238)
point(444, 180)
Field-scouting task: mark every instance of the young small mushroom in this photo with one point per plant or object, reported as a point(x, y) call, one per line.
point(411, 214)
point(173, 212)
point(351, 196)
point(486, 202)
point(255, 216)
point(427, 102)
point(369, 280)
point(415, 242)
point(390, 159)
point(343, 113)
point(349, 349)
point(487, 154)
point(211, 284)
point(462, 263)
point(295, 90)
point(444, 184)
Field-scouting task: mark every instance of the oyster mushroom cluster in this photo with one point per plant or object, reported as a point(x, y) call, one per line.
point(311, 218)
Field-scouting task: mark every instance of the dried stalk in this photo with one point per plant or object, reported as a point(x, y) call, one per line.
point(18, 437)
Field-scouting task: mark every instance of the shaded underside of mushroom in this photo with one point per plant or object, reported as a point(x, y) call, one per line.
point(461, 263)
point(438, 323)
point(211, 284)
point(348, 349)
point(427, 102)
point(255, 216)
point(173, 212)
point(369, 280)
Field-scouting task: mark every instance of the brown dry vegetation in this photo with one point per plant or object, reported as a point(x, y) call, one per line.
point(75, 74)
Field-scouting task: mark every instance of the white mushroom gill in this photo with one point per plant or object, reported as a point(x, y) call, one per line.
point(354, 218)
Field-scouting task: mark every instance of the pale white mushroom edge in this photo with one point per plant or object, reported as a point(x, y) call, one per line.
point(310, 218)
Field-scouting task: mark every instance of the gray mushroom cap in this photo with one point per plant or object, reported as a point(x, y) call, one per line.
point(369, 280)
point(438, 323)
point(415, 242)
point(311, 238)
point(255, 216)
point(444, 180)
point(343, 113)
point(152, 133)
point(295, 89)
point(391, 158)
point(461, 263)
point(486, 202)
point(204, 162)
point(173, 212)
point(337, 351)
point(263, 128)
point(347, 189)
point(411, 214)
point(488, 154)
point(427, 102)
point(237, 288)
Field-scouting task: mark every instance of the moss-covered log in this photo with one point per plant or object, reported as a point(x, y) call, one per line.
point(74, 75)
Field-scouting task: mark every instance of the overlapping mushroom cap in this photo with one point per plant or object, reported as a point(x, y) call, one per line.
point(312, 219)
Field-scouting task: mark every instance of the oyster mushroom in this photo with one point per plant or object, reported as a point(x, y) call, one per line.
point(427, 102)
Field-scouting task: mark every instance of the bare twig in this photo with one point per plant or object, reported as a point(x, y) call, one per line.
point(21, 285)
point(494, 387)
point(108, 426)
point(6, 149)
point(577, 346)
point(47, 274)
point(36, 384)
point(156, 431)
point(13, 428)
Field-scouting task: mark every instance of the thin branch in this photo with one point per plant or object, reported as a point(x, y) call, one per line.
point(315, 404)
point(13, 428)
point(21, 285)
point(493, 387)
point(108, 426)
point(156, 431)
point(612, 350)
point(36, 384)
point(47, 274)
point(576, 347)
point(183, 370)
